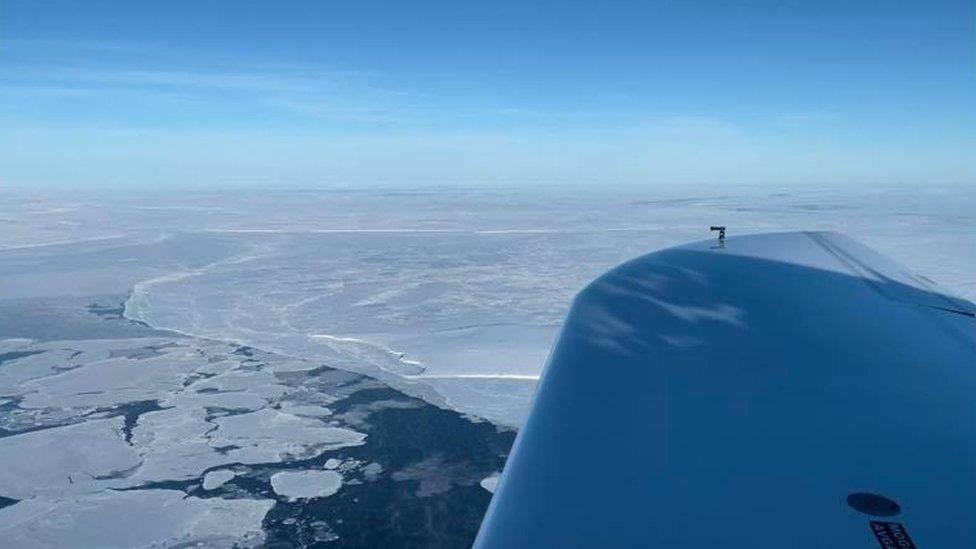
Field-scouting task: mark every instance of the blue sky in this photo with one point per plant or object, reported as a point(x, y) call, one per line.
point(150, 94)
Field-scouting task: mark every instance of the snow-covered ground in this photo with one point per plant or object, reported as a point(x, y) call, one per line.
point(250, 415)
point(461, 290)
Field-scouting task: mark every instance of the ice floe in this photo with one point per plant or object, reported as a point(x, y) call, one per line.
point(215, 479)
point(138, 518)
point(109, 382)
point(173, 445)
point(73, 459)
point(236, 400)
point(490, 483)
point(262, 383)
point(98, 416)
point(270, 435)
point(305, 410)
point(306, 484)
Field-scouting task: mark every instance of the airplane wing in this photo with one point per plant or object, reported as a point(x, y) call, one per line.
point(778, 390)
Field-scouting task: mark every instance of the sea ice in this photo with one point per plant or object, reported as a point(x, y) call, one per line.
point(215, 479)
point(138, 518)
point(305, 410)
point(262, 383)
point(173, 445)
point(73, 459)
point(479, 289)
point(306, 484)
point(42, 363)
point(201, 425)
point(110, 382)
point(490, 483)
point(269, 435)
point(235, 400)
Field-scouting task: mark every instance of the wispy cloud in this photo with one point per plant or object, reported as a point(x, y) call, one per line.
point(308, 91)
point(117, 80)
point(307, 81)
point(326, 108)
point(127, 77)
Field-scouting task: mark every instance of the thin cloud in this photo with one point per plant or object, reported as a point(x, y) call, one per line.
point(143, 78)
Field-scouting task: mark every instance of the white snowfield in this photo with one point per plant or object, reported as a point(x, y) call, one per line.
point(454, 296)
point(465, 292)
point(451, 296)
point(69, 477)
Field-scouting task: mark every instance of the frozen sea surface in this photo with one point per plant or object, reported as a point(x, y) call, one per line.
point(162, 440)
point(461, 291)
point(466, 293)
point(179, 352)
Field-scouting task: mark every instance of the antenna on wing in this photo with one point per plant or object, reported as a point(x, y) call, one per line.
point(721, 233)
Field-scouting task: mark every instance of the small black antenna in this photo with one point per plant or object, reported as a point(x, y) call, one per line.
point(721, 233)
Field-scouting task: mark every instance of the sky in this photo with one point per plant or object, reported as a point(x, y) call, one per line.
point(408, 93)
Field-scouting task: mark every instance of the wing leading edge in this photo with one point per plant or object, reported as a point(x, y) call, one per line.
point(756, 394)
